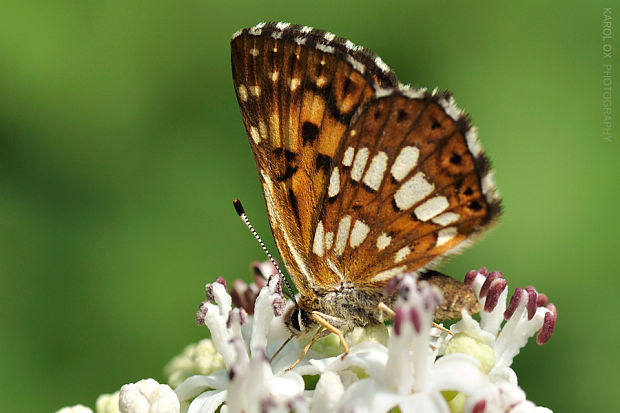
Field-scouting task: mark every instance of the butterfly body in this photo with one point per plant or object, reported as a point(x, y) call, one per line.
point(363, 178)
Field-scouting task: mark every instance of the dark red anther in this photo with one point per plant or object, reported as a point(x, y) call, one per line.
point(531, 302)
point(278, 305)
point(514, 303)
point(542, 300)
point(496, 274)
point(545, 332)
point(415, 319)
point(483, 271)
point(487, 283)
point(399, 317)
point(470, 277)
point(480, 406)
point(222, 281)
point(201, 313)
point(493, 294)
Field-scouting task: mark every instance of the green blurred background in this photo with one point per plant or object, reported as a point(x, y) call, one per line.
point(121, 148)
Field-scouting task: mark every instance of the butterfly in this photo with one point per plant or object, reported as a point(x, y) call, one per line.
point(363, 178)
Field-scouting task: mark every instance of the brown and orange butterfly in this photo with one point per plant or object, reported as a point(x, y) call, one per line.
point(363, 178)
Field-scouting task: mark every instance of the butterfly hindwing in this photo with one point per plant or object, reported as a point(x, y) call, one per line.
point(406, 189)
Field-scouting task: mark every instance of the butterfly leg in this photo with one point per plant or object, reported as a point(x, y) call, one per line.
point(383, 307)
point(326, 324)
point(318, 335)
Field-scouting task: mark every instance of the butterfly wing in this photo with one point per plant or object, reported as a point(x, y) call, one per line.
point(409, 186)
point(363, 178)
point(298, 90)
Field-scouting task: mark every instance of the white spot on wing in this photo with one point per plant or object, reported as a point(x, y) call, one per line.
point(342, 234)
point(321, 81)
point(318, 246)
point(282, 25)
point(255, 135)
point(471, 136)
point(306, 29)
point(329, 36)
point(382, 92)
point(357, 65)
point(449, 105)
point(262, 129)
point(257, 30)
point(431, 208)
point(325, 48)
point(413, 92)
point(358, 233)
point(374, 174)
point(383, 241)
point(401, 254)
point(387, 274)
point(254, 51)
point(413, 191)
point(350, 45)
point(254, 90)
point(274, 75)
point(243, 93)
point(445, 235)
point(359, 164)
point(379, 62)
point(446, 219)
point(347, 159)
point(334, 183)
point(406, 160)
point(294, 83)
point(488, 186)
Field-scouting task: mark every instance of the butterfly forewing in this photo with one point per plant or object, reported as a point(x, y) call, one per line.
point(297, 102)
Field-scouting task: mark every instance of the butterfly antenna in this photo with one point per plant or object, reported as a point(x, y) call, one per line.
point(246, 221)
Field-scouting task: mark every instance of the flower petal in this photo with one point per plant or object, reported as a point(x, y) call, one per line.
point(207, 402)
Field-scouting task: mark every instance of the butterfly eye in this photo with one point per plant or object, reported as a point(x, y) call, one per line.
point(295, 320)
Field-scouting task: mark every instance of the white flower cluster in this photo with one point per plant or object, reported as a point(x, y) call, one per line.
point(410, 366)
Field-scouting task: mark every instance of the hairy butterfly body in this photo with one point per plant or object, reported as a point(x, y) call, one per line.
point(363, 178)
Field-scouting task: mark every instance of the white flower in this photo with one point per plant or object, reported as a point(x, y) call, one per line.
point(404, 374)
point(200, 358)
point(409, 366)
point(525, 315)
point(248, 384)
point(417, 369)
point(148, 396)
point(78, 408)
point(107, 403)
